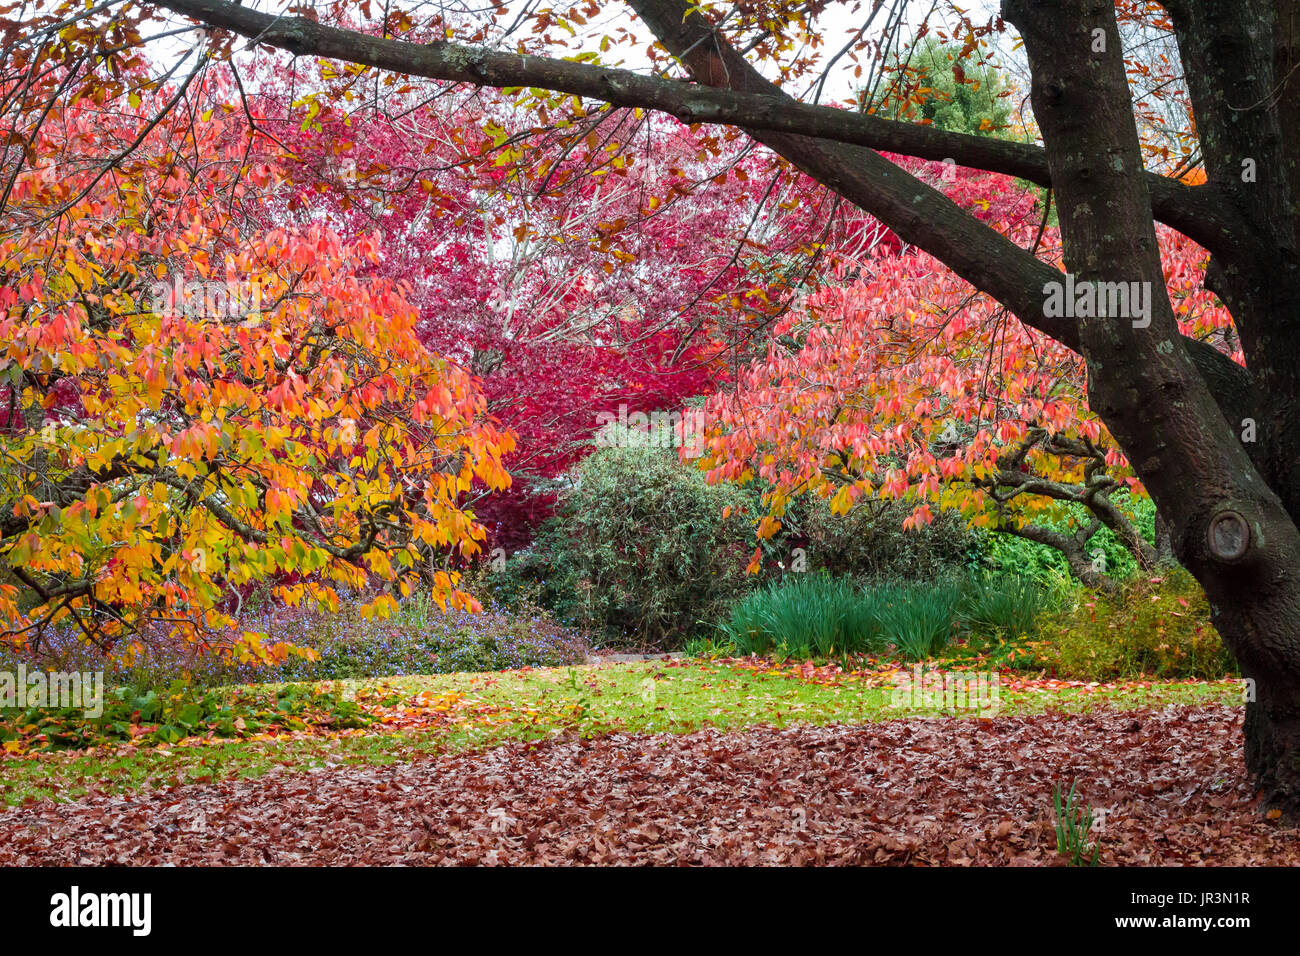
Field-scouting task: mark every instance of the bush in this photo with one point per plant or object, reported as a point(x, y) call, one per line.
point(640, 548)
point(1157, 627)
point(869, 543)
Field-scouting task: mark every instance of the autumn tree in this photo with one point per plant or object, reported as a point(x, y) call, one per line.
point(1212, 440)
point(190, 405)
point(903, 385)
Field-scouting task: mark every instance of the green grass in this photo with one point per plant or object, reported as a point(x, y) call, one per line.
point(634, 697)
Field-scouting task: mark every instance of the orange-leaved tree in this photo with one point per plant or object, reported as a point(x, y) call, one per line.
point(189, 405)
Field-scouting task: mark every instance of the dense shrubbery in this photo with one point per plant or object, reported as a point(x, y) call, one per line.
point(1003, 553)
point(1154, 627)
point(640, 550)
point(869, 543)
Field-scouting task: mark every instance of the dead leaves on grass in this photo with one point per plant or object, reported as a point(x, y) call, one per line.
point(946, 791)
point(878, 672)
point(377, 708)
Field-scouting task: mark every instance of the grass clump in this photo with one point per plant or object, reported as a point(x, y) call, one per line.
point(1002, 608)
point(818, 616)
point(805, 616)
point(919, 620)
point(1075, 822)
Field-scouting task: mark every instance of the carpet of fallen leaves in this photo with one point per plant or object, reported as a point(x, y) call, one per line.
point(939, 791)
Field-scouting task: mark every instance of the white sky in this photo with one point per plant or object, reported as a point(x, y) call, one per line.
point(835, 26)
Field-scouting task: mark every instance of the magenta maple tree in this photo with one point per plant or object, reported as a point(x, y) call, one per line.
point(606, 279)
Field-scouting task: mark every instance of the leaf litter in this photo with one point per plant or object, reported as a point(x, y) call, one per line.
point(1170, 784)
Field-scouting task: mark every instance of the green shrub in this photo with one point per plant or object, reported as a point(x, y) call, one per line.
point(997, 552)
point(640, 548)
point(870, 544)
point(1002, 553)
point(1157, 627)
point(927, 91)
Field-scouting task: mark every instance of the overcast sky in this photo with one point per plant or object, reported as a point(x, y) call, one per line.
point(834, 27)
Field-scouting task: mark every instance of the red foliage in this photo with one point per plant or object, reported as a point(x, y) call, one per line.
point(570, 286)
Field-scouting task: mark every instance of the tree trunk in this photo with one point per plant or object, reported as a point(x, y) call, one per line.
point(1273, 743)
point(1272, 724)
point(1164, 543)
point(1229, 529)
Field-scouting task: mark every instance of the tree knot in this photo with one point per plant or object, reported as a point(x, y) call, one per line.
point(1228, 536)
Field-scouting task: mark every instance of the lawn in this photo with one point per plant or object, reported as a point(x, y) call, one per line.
point(412, 718)
point(692, 762)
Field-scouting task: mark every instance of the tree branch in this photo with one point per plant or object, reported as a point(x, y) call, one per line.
point(1195, 211)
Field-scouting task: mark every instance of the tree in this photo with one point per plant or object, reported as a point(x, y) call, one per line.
point(190, 405)
point(903, 386)
point(607, 278)
point(942, 84)
point(1180, 409)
